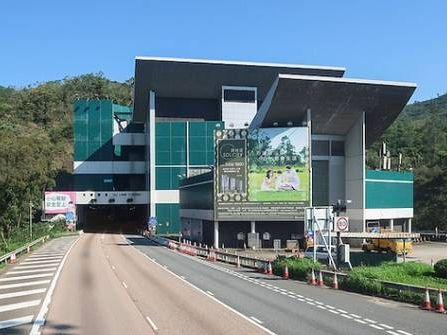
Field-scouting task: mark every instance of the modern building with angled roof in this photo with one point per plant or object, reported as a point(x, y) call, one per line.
point(179, 104)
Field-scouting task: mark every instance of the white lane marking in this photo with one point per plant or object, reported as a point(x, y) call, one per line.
point(210, 293)
point(41, 275)
point(268, 331)
point(341, 310)
point(355, 315)
point(183, 277)
point(154, 327)
point(386, 326)
point(33, 258)
point(404, 332)
point(16, 272)
point(40, 318)
point(113, 267)
point(376, 326)
point(369, 320)
point(360, 321)
point(392, 332)
point(16, 322)
point(21, 267)
point(329, 306)
point(22, 293)
point(321, 307)
point(125, 285)
point(257, 320)
point(32, 283)
point(310, 303)
point(47, 254)
point(333, 311)
point(19, 305)
point(38, 262)
point(346, 316)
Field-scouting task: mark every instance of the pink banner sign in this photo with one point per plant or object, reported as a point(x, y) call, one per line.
point(60, 202)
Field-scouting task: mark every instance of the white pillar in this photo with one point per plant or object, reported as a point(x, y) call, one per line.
point(253, 227)
point(392, 224)
point(152, 152)
point(409, 225)
point(216, 234)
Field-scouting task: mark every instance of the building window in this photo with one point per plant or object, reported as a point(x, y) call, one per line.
point(320, 148)
point(239, 95)
point(337, 148)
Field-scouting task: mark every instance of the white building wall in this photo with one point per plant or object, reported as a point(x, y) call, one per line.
point(238, 114)
point(355, 174)
point(108, 167)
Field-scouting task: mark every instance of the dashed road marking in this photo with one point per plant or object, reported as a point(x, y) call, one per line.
point(392, 332)
point(125, 285)
point(355, 316)
point(16, 272)
point(21, 267)
point(346, 316)
point(369, 320)
point(404, 332)
point(210, 293)
point(360, 321)
point(376, 326)
point(152, 324)
point(386, 326)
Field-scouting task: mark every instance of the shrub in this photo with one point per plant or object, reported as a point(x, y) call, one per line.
point(299, 268)
point(441, 268)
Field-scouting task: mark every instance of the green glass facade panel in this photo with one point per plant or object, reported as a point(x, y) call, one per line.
point(178, 157)
point(178, 129)
point(168, 218)
point(162, 129)
point(163, 178)
point(197, 157)
point(389, 189)
point(177, 174)
point(163, 157)
point(197, 129)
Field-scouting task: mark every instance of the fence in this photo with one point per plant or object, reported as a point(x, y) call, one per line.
point(25, 248)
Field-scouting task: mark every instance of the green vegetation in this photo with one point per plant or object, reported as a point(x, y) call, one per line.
point(420, 134)
point(441, 268)
point(299, 268)
point(36, 142)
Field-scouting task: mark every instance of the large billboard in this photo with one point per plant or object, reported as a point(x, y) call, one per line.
point(262, 174)
point(59, 202)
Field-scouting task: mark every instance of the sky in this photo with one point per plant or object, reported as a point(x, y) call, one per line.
point(399, 40)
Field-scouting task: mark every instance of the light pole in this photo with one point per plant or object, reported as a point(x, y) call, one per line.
point(31, 220)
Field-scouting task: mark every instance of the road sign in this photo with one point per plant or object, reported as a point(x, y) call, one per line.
point(341, 223)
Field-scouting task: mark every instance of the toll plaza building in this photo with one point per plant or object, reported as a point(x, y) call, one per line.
point(298, 138)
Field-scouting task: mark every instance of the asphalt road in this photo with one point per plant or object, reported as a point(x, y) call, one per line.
point(290, 307)
point(108, 287)
point(25, 285)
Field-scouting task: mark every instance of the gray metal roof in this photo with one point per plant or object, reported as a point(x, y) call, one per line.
point(195, 78)
point(335, 103)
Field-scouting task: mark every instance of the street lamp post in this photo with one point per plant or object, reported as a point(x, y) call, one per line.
point(31, 220)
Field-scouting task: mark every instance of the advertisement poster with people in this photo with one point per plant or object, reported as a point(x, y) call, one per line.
point(278, 168)
point(261, 174)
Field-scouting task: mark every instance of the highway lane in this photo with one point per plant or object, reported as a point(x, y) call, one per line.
point(108, 287)
point(289, 307)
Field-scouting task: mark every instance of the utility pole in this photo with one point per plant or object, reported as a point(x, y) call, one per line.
point(31, 220)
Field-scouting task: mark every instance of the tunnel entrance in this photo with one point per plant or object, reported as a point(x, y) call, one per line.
point(111, 218)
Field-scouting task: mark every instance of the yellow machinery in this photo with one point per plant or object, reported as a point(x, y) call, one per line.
point(397, 246)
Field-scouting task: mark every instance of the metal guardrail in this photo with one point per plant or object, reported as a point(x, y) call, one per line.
point(256, 263)
point(25, 248)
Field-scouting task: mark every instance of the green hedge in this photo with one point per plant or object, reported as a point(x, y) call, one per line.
point(299, 268)
point(441, 268)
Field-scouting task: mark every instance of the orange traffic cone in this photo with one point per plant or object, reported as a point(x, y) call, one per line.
point(335, 282)
point(320, 279)
point(440, 303)
point(285, 274)
point(312, 280)
point(426, 304)
point(270, 270)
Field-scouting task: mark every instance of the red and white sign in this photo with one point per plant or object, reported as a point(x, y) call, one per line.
point(60, 202)
point(341, 223)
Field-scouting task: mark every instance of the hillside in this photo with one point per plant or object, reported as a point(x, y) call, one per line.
point(36, 139)
point(36, 145)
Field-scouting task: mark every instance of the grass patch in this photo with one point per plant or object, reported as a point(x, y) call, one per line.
point(413, 273)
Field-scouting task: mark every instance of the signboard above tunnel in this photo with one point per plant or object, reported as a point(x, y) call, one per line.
point(261, 174)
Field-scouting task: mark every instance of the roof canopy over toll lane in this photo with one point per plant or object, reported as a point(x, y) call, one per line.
point(203, 79)
point(335, 103)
